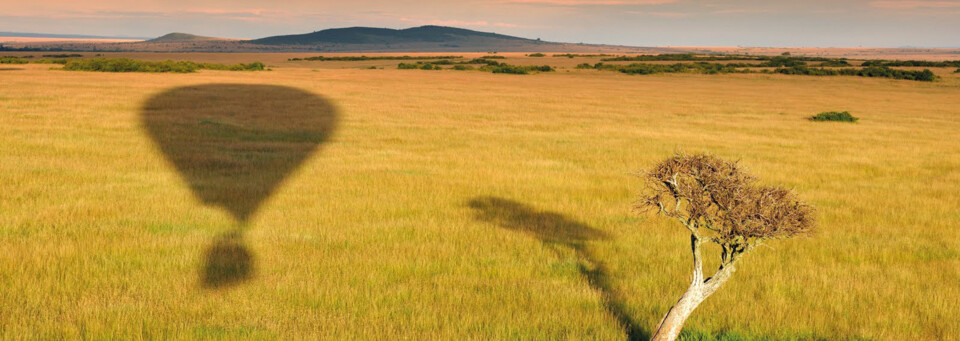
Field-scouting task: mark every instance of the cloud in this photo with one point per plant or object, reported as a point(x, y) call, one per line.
point(915, 4)
point(591, 2)
point(741, 11)
point(241, 14)
point(662, 14)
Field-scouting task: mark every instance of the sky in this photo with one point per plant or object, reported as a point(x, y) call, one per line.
point(798, 23)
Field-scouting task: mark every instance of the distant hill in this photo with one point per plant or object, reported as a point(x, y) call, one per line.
point(177, 37)
point(385, 36)
point(351, 39)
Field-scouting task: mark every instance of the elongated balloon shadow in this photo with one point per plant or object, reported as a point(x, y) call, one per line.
point(557, 231)
point(233, 144)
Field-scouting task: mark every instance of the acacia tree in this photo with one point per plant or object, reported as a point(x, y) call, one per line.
point(718, 202)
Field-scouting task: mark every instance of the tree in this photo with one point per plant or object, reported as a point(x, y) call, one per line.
point(720, 203)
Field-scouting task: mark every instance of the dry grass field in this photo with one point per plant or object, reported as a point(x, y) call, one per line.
point(469, 205)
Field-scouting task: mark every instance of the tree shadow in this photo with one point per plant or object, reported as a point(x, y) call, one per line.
point(557, 231)
point(233, 144)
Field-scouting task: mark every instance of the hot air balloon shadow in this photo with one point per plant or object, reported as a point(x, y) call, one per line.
point(233, 144)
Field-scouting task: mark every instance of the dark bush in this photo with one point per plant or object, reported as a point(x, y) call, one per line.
point(462, 67)
point(835, 63)
point(74, 55)
point(536, 55)
point(12, 60)
point(840, 116)
point(516, 69)
point(915, 63)
point(873, 71)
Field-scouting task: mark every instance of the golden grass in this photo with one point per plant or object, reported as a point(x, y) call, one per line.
point(375, 237)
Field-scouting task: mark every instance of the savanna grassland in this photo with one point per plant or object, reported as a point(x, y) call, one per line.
point(469, 205)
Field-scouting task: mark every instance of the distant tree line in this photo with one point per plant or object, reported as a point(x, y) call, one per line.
point(362, 58)
point(131, 65)
point(796, 69)
point(72, 55)
point(573, 55)
point(648, 69)
point(918, 63)
point(486, 65)
point(874, 71)
point(13, 60)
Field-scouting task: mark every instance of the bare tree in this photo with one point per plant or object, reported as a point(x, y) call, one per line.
point(718, 202)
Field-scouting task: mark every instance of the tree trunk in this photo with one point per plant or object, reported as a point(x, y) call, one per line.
point(669, 327)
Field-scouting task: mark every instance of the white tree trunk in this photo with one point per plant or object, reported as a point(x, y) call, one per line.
point(672, 323)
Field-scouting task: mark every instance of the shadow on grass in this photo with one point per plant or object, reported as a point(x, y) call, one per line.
point(557, 231)
point(233, 144)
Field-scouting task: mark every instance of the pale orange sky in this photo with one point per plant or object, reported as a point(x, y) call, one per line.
point(629, 22)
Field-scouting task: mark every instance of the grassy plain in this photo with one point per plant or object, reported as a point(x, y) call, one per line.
point(469, 205)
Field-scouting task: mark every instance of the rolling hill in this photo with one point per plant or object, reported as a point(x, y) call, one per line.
point(177, 37)
point(350, 39)
point(370, 35)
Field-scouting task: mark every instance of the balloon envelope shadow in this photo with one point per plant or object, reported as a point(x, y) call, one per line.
point(233, 144)
point(557, 231)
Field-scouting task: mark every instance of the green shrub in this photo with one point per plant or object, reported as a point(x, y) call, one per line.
point(835, 63)
point(407, 66)
point(840, 116)
point(958, 71)
point(12, 60)
point(51, 61)
point(536, 55)
point(516, 69)
point(462, 67)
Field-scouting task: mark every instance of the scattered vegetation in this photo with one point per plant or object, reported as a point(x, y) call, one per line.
point(785, 65)
point(492, 57)
point(60, 61)
point(72, 55)
point(487, 65)
point(13, 60)
point(882, 71)
point(717, 202)
point(915, 63)
point(131, 65)
point(516, 69)
point(536, 55)
point(572, 55)
point(840, 116)
point(362, 58)
point(647, 69)
point(835, 63)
